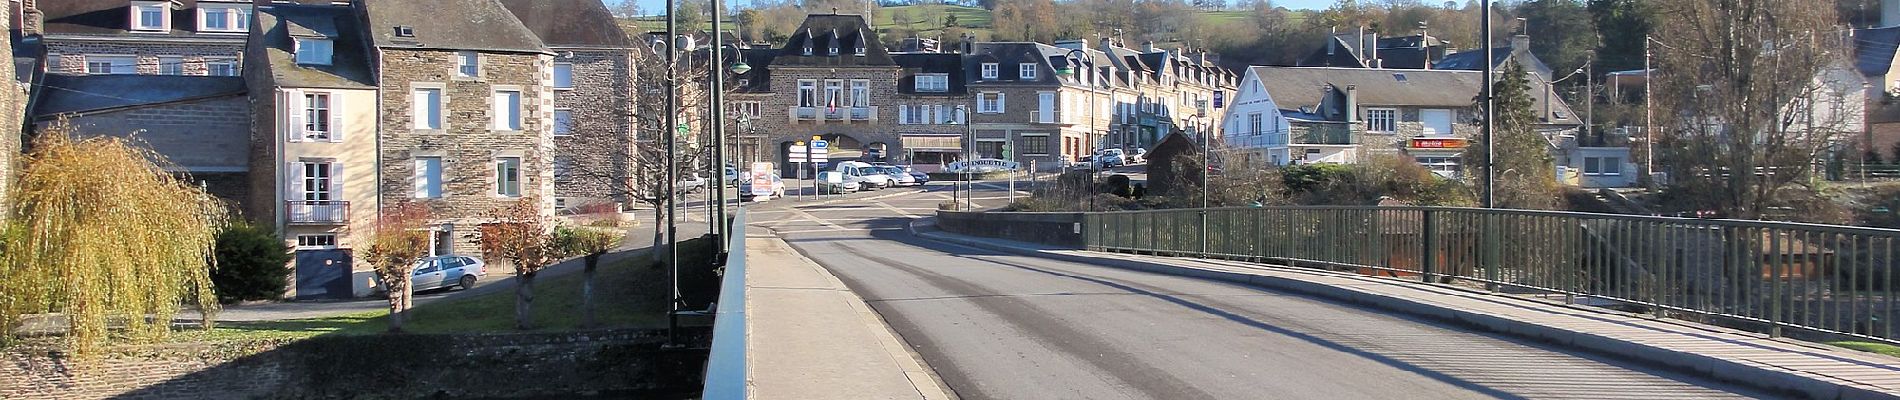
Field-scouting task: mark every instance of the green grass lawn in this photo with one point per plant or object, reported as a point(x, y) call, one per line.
point(628, 294)
point(967, 17)
point(1871, 347)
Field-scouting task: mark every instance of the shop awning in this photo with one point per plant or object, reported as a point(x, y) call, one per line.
point(933, 143)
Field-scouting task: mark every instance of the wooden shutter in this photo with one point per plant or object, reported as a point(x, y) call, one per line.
point(336, 181)
point(295, 119)
point(296, 181)
point(336, 118)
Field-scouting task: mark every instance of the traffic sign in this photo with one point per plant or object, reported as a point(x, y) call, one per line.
point(796, 154)
point(820, 146)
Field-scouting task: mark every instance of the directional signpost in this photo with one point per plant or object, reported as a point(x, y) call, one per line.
point(818, 153)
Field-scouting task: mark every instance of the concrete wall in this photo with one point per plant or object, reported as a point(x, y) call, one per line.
point(603, 364)
point(1059, 229)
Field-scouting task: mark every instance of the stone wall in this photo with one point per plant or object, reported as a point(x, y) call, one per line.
point(467, 143)
point(69, 57)
point(775, 124)
point(12, 112)
point(601, 364)
point(600, 147)
point(1047, 228)
point(209, 136)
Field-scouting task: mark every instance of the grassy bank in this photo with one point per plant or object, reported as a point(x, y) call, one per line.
point(1870, 347)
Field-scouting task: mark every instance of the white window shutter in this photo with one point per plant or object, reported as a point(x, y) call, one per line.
point(500, 103)
point(1000, 105)
point(903, 114)
point(419, 177)
point(296, 181)
point(336, 181)
point(296, 118)
point(336, 119)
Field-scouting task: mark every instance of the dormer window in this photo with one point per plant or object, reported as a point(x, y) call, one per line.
point(834, 50)
point(990, 70)
point(808, 50)
point(468, 64)
point(860, 50)
point(151, 16)
point(235, 18)
point(315, 51)
point(1026, 71)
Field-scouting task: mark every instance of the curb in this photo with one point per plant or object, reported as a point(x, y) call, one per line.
point(1755, 376)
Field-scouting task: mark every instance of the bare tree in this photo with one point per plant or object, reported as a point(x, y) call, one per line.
point(520, 234)
point(1756, 93)
point(399, 237)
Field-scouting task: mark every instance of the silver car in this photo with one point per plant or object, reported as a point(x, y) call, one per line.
point(447, 271)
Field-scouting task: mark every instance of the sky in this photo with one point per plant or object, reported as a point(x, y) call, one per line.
point(655, 6)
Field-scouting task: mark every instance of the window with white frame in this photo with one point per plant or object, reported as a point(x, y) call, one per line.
point(1602, 165)
point(316, 117)
point(428, 177)
point(468, 64)
point(221, 67)
point(834, 93)
point(1382, 120)
point(563, 76)
point(563, 122)
point(224, 18)
point(1026, 71)
point(1256, 123)
point(860, 93)
point(989, 103)
point(151, 16)
point(428, 108)
point(990, 70)
point(507, 110)
point(315, 51)
point(943, 116)
point(933, 83)
point(903, 114)
point(807, 93)
point(749, 109)
point(508, 176)
point(171, 65)
point(112, 65)
point(317, 180)
point(316, 241)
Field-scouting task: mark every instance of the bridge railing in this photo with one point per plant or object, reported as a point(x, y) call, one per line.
point(726, 369)
point(1752, 274)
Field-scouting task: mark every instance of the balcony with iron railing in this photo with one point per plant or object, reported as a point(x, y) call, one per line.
point(828, 114)
point(317, 212)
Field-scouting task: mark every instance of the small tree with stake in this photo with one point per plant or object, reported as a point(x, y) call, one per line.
point(591, 245)
point(521, 235)
point(399, 237)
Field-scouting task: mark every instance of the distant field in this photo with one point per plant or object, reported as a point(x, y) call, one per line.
point(968, 17)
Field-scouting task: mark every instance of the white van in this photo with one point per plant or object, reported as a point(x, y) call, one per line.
point(872, 175)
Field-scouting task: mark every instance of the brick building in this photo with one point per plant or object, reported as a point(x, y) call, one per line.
point(142, 37)
point(593, 91)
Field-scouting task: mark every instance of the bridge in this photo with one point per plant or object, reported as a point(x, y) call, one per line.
point(879, 295)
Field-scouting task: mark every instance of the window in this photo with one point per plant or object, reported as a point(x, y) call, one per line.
point(860, 93)
point(1034, 144)
point(750, 109)
point(319, 241)
point(428, 108)
point(989, 148)
point(834, 93)
point(111, 65)
point(989, 103)
point(468, 64)
point(563, 122)
point(1612, 165)
point(563, 166)
point(221, 67)
point(171, 65)
point(507, 110)
point(312, 51)
point(316, 116)
point(903, 114)
point(933, 83)
point(1254, 121)
point(224, 19)
point(563, 76)
point(316, 185)
point(151, 16)
point(1602, 165)
point(428, 177)
point(807, 93)
point(508, 176)
point(1382, 120)
point(989, 71)
point(560, 203)
point(1026, 71)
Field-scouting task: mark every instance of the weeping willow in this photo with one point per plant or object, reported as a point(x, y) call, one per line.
point(98, 232)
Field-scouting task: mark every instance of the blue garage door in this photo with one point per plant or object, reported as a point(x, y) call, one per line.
point(323, 274)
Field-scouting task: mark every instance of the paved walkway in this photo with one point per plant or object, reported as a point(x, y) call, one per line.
point(1814, 370)
point(812, 338)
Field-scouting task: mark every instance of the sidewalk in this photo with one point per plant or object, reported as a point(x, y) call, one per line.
point(824, 342)
point(1810, 369)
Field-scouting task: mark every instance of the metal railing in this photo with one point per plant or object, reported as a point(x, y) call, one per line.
point(1748, 274)
point(317, 212)
point(726, 370)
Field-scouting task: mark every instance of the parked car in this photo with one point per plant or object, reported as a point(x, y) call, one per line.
point(920, 176)
point(871, 176)
point(447, 271)
point(839, 182)
point(732, 176)
point(691, 184)
point(898, 176)
point(777, 190)
point(1111, 158)
point(1083, 163)
point(1139, 156)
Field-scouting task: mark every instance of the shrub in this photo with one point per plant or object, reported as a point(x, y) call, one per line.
point(253, 264)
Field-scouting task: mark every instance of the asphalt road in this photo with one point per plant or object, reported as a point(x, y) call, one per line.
point(998, 326)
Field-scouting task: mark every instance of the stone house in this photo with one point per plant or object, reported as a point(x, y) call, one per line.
point(930, 90)
point(832, 79)
point(1158, 92)
point(142, 37)
point(467, 116)
point(201, 125)
point(314, 143)
point(593, 86)
point(1024, 110)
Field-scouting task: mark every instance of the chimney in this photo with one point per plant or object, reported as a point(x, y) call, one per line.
point(1520, 43)
point(1148, 46)
point(1332, 41)
point(969, 43)
point(1352, 104)
point(32, 21)
point(1369, 46)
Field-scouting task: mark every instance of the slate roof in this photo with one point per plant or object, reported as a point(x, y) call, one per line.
point(570, 23)
point(821, 32)
point(1295, 87)
point(282, 23)
point(481, 25)
point(112, 17)
point(1473, 60)
point(1008, 55)
point(759, 79)
point(929, 63)
point(70, 94)
point(1874, 49)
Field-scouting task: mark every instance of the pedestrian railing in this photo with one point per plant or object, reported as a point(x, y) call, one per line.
point(726, 370)
point(1752, 274)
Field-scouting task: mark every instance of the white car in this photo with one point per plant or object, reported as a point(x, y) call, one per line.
point(898, 175)
point(447, 271)
point(872, 176)
point(1139, 156)
point(746, 193)
point(839, 182)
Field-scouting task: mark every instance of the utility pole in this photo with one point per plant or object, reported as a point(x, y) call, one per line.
point(1490, 110)
point(716, 87)
point(672, 168)
point(1649, 125)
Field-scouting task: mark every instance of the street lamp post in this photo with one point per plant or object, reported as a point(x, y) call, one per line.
point(672, 169)
point(1069, 70)
point(969, 151)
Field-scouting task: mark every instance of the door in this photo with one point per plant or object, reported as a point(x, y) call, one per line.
point(323, 274)
point(450, 271)
point(427, 276)
point(1437, 122)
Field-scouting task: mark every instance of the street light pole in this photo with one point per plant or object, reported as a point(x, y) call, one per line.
point(1490, 110)
point(672, 168)
point(717, 107)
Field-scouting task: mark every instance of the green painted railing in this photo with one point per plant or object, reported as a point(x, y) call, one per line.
point(1752, 274)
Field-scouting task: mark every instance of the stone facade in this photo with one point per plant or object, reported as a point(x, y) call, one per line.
point(468, 145)
point(777, 111)
point(12, 113)
point(600, 144)
point(68, 56)
point(207, 136)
